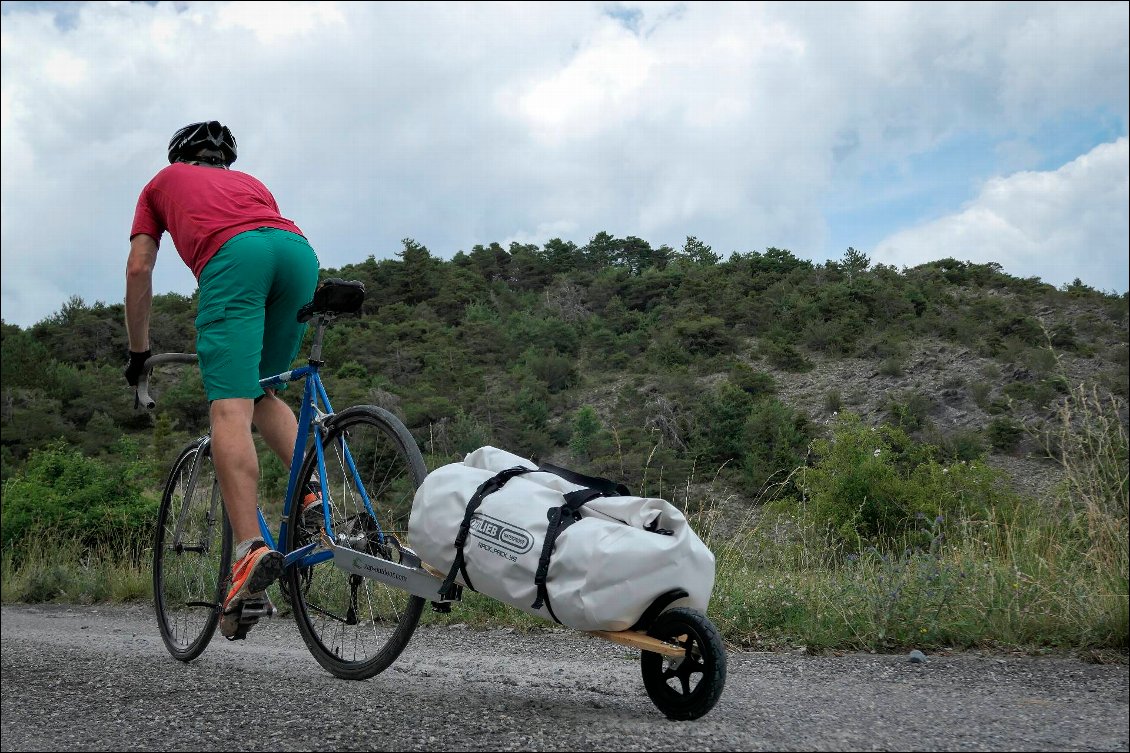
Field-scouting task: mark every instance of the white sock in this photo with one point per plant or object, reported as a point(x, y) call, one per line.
point(245, 547)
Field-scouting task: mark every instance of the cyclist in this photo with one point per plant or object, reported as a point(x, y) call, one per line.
point(254, 270)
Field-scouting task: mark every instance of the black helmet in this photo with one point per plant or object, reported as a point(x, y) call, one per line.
point(213, 136)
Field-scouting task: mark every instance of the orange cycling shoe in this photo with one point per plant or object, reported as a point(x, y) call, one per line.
point(312, 508)
point(247, 600)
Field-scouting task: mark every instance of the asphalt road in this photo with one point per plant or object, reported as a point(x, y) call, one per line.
point(99, 678)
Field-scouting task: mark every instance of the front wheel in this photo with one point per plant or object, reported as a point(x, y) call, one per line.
point(356, 627)
point(685, 687)
point(192, 549)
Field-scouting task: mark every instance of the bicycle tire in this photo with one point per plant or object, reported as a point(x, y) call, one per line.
point(189, 574)
point(356, 627)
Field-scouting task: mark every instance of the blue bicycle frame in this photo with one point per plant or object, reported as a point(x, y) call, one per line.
point(316, 409)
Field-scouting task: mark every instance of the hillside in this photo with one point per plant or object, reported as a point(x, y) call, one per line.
point(623, 359)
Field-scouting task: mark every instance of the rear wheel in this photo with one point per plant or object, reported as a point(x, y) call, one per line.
point(685, 687)
point(356, 627)
point(192, 548)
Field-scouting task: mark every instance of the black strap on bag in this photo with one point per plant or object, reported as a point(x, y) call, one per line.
point(606, 487)
point(560, 518)
point(491, 485)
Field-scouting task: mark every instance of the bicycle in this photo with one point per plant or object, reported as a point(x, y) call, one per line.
point(361, 459)
point(356, 588)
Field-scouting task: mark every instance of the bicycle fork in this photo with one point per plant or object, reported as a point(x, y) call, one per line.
point(202, 453)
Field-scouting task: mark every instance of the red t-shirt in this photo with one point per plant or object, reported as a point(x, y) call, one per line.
point(203, 208)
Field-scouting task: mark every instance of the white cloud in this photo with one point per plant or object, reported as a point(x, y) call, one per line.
point(1057, 225)
point(465, 123)
point(599, 89)
point(65, 69)
point(278, 21)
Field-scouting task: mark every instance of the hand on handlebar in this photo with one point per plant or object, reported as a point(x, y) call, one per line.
point(141, 366)
point(136, 366)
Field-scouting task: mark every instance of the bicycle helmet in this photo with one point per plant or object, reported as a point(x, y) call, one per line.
point(212, 137)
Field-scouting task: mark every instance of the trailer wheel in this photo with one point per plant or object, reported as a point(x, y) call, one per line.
point(685, 687)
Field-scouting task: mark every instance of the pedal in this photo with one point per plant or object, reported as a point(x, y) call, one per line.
point(250, 612)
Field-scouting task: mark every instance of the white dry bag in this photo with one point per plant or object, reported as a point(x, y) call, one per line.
point(572, 548)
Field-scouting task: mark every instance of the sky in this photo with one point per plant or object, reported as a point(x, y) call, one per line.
point(984, 132)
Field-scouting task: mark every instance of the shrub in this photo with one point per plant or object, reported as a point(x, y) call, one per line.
point(785, 356)
point(586, 427)
point(705, 335)
point(776, 439)
point(836, 338)
point(910, 410)
point(468, 433)
point(982, 394)
point(668, 353)
point(961, 444)
point(891, 366)
point(832, 401)
point(1004, 434)
point(872, 486)
point(885, 345)
point(953, 382)
point(720, 417)
point(69, 496)
point(352, 370)
point(556, 371)
point(754, 383)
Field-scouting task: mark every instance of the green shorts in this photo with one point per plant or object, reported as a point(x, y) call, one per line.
point(246, 322)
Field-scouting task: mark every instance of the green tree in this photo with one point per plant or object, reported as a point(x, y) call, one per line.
point(24, 361)
point(586, 427)
point(697, 252)
point(600, 252)
point(720, 418)
point(854, 263)
point(776, 439)
point(418, 276)
point(561, 256)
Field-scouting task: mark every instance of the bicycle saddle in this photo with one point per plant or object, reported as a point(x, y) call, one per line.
point(334, 296)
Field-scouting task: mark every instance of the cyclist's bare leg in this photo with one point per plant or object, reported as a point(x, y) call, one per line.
point(278, 425)
point(237, 470)
point(237, 464)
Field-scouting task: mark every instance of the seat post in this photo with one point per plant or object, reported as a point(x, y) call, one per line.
point(316, 345)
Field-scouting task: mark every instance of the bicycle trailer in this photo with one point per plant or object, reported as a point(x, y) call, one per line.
point(575, 549)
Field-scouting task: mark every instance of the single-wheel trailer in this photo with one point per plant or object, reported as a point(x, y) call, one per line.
point(356, 588)
point(682, 659)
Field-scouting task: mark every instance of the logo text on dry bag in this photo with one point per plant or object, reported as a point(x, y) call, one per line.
point(506, 535)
